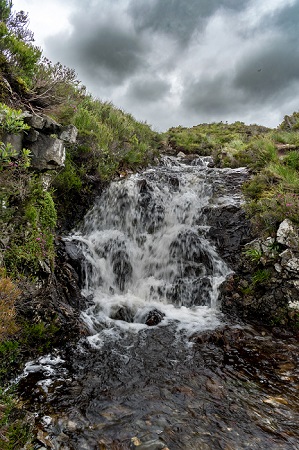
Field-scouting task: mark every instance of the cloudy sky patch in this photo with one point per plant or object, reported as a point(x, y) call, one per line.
point(170, 62)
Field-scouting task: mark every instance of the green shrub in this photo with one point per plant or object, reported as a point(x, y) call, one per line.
point(12, 121)
point(253, 254)
point(287, 175)
point(285, 137)
point(39, 337)
point(292, 159)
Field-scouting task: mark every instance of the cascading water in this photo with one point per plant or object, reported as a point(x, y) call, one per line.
point(161, 368)
point(147, 257)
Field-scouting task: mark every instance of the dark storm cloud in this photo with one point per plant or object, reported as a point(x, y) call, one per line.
point(198, 58)
point(261, 75)
point(176, 17)
point(273, 68)
point(212, 96)
point(148, 89)
point(118, 54)
point(101, 45)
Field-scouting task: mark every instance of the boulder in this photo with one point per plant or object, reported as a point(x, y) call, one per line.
point(48, 153)
point(287, 234)
point(32, 135)
point(123, 313)
point(51, 126)
point(69, 134)
point(35, 121)
point(154, 317)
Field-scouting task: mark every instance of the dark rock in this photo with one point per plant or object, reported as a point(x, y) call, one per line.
point(15, 140)
point(189, 246)
point(32, 135)
point(229, 231)
point(35, 121)
point(55, 303)
point(174, 182)
point(122, 269)
point(123, 313)
point(51, 126)
point(154, 317)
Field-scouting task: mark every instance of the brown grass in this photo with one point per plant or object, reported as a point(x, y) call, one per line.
point(8, 296)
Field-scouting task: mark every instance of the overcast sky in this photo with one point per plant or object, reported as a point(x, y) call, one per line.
point(178, 62)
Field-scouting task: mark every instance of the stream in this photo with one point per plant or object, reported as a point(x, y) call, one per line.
point(162, 367)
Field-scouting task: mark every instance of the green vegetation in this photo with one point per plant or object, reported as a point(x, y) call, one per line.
point(216, 139)
point(15, 424)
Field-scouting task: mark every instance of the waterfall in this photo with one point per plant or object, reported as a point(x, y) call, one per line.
point(147, 376)
point(147, 258)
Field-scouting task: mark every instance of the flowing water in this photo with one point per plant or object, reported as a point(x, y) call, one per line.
point(162, 367)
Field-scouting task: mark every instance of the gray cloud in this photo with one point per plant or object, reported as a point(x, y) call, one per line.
point(271, 69)
point(200, 60)
point(148, 89)
point(212, 96)
point(102, 45)
point(175, 17)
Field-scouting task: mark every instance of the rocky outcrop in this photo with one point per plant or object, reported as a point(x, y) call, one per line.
point(45, 139)
point(265, 288)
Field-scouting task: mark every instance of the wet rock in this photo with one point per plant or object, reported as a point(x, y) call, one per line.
point(174, 182)
point(143, 186)
point(215, 388)
point(196, 292)
point(229, 230)
point(145, 193)
point(44, 438)
point(72, 259)
point(124, 314)
point(56, 304)
point(122, 269)
point(190, 247)
point(149, 445)
point(154, 317)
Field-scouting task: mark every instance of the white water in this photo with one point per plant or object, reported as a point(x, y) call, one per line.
point(146, 249)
